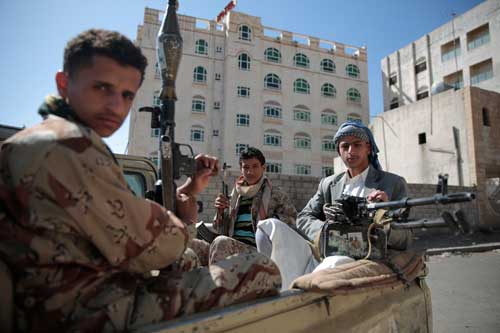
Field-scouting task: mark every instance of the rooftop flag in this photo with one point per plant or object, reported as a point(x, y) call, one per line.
point(226, 10)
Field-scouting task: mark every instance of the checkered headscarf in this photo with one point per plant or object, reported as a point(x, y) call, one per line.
point(353, 128)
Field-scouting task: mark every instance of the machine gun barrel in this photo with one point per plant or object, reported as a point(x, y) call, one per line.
point(438, 198)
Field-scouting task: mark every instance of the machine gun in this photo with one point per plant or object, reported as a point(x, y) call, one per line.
point(359, 232)
point(173, 162)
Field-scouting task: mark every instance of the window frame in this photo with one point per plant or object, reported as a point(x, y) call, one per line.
point(273, 136)
point(198, 101)
point(271, 165)
point(301, 60)
point(274, 57)
point(330, 68)
point(243, 119)
point(329, 114)
point(302, 141)
point(353, 95)
point(197, 75)
point(242, 89)
point(201, 49)
point(244, 64)
point(352, 71)
point(197, 130)
point(278, 110)
point(301, 86)
point(328, 90)
point(272, 79)
point(240, 147)
point(305, 167)
point(245, 35)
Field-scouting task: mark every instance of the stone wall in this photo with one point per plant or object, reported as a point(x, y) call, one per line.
point(300, 189)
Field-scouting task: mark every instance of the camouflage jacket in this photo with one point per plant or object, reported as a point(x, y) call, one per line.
point(69, 223)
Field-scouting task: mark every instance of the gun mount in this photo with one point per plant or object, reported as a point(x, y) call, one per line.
point(362, 222)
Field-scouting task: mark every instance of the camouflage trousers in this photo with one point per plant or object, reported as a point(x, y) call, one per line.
point(221, 248)
point(126, 302)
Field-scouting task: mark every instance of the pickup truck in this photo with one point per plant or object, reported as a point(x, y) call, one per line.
point(403, 307)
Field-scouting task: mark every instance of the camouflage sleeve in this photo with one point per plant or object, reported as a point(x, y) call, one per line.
point(282, 207)
point(89, 194)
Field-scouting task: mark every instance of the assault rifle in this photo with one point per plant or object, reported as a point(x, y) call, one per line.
point(173, 162)
point(358, 231)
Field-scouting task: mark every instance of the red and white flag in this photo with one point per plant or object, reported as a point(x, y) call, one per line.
point(226, 10)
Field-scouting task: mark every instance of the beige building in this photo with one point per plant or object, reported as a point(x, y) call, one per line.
point(453, 132)
point(241, 83)
point(463, 52)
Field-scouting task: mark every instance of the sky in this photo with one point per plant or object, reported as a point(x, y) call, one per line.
point(34, 33)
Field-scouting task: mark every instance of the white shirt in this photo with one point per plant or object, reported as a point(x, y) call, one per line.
point(355, 186)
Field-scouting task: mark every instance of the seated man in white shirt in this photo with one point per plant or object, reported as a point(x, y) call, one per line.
point(363, 178)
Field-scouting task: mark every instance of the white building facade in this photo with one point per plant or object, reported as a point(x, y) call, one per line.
point(243, 84)
point(463, 52)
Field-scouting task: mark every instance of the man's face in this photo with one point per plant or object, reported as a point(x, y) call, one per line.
point(100, 94)
point(354, 152)
point(252, 170)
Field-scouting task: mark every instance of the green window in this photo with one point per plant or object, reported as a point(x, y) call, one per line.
point(328, 90)
point(301, 60)
point(200, 75)
point(244, 62)
point(272, 111)
point(327, 144)
point(198, 104)
point(302, 141)
point(245, 33)
point(197, 134)
point(353, 95)
point(272, 81)
point(201, 47)
point(301, 115)
point(273, 55)
point(301, 86)
point(327, 65)
point(272, 138)
point(352, 71)
point(302, 169)
point(329, 118)
point(273, 167)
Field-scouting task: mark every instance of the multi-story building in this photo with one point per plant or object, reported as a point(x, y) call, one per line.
point(243, 84)
point(462, 140)
point(463, 52)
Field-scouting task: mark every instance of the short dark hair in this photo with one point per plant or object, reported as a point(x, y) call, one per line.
point(80, 50)
point(252, 152)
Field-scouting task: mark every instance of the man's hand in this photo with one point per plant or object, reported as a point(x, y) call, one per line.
point(221, 202)
point(334, 212)
point(377, 196)
point(206, 167)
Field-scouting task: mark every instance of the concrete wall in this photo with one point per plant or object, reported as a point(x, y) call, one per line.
point(486, 145)
point(397, 135)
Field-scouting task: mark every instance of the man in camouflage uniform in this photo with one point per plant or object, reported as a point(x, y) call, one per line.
point(79, 243)
point(253, 200)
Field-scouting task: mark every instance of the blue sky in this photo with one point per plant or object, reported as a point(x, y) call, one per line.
point(34, 32)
